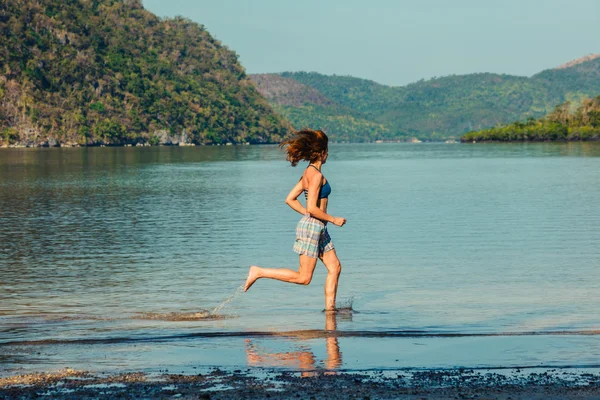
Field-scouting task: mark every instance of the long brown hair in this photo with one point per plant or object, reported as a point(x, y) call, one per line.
point(307, 144)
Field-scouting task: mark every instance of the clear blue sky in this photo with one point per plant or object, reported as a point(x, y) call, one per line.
point(396, 42)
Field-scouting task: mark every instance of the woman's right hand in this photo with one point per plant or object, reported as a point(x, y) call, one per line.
point(338, 221)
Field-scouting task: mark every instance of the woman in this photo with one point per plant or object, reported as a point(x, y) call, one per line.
point(312, 239)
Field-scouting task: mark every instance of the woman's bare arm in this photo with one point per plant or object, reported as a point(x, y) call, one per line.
point(292, 198)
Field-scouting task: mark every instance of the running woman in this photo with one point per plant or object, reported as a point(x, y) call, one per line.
point(312, 239)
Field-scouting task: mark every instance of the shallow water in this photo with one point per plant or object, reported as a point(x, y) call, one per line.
point(453, 255)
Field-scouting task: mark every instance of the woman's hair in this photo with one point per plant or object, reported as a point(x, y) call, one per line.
point(307, 144)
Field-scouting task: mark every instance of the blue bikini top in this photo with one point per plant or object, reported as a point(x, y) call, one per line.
point(325, 188)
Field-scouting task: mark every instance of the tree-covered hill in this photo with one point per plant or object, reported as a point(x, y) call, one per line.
point(108, 71)
point(563, 124)
point(443, 107)
point(307, 107)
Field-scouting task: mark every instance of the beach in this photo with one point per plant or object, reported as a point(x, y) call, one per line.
point(218, 384)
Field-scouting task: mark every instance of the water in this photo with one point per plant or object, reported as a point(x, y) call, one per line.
point(453, 255)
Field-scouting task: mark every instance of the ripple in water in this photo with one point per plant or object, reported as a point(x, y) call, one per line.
point(179, 316)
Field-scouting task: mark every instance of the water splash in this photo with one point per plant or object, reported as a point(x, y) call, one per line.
point(194, 316)
point(345, 305)
point(228, 300)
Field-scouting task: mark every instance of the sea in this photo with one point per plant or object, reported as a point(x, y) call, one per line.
point(119, 259)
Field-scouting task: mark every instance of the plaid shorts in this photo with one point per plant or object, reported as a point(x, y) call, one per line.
point(312, 238)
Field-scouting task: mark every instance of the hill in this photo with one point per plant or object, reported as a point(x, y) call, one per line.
point(563, 124)
point(307, 107)
point(108, 71)
point(440, 107)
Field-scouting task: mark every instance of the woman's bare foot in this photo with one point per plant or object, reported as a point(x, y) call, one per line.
point(252, 277)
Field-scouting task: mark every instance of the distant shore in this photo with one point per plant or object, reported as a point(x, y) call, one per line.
point(183, 144)
point(58, 145)
point(531, 141)
point(260, 384)
point(449, 141)
point(75, 145)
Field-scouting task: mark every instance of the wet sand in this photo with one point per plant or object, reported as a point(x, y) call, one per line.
point(260, 384)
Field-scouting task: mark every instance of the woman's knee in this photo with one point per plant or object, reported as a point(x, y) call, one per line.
point(335, 268)
point(307, 268)
point(304, 279)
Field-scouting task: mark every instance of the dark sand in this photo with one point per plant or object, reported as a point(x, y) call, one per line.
point(262, 384)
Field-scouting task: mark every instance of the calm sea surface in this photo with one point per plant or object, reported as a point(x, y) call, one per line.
point(453, 255)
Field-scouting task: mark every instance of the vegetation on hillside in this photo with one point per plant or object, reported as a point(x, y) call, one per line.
point(340, 125)
point(563, 124)
point(108, 71)
point(304, 106)
point(449, 106)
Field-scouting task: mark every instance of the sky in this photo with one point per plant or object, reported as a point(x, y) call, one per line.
point(396, 42)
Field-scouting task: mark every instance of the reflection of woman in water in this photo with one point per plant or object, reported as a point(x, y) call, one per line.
point(303, 359)
point(312, 239)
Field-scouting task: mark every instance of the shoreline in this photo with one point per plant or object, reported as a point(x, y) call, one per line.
point(78, 145)
point(229, 144)
point(263, 383)
point(530, 141)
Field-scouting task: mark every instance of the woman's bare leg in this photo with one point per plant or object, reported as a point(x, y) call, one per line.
point(334, 268)
point(302, 277)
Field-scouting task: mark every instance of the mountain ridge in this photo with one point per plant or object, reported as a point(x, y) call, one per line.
point(579, 60)
point(444, 107)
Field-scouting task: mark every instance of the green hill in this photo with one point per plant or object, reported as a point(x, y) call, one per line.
point(108, 71)
point(307, 107)
point(563, 124)
point(440, 107)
